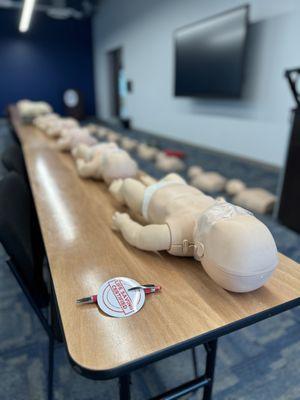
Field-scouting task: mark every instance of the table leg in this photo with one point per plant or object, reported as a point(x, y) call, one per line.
point(195, 364)
point(211, 348)
point(124, 387)
point(50, 367)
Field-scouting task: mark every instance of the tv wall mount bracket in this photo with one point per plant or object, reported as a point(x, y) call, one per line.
point(293, 75)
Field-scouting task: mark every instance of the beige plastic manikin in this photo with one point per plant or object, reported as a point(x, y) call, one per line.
point(236, 249)
point(255, 199)
point(70, 138)
point(209, 182)
point(105, 161)
point(168, 163)
point(56, 127)
point(87, 153)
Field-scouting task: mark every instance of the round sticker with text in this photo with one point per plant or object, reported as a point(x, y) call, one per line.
point(116, 300)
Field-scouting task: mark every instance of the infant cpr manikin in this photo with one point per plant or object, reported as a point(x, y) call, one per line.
point(168, 163)
point(209, 182)
point(53, 125)
point(255, 199)
point(236, 250)
point(70, 138)
point(87, 153)
point(128, 144)
point(147, 152)
point(104, 161)
point(32, 109)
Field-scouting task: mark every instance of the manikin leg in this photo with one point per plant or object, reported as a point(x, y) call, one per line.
point(82, 151)
point(89, 169)
point(133, 194)
point(173, 177)
point(63, 144)
point(129, 192)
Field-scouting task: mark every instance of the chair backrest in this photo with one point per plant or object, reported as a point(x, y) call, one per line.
point(13, 160)
point(19, 237)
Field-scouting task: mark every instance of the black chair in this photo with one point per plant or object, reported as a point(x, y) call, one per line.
point(25, 250)
point(12, 131)
point(13, 160)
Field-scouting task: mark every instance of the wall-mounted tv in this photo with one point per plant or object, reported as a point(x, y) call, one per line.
point(209, 55)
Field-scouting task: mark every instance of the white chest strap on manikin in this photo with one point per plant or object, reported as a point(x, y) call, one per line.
point(149, 192)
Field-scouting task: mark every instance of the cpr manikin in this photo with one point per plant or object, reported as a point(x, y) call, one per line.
point(128, 144)
point(236, 250)
point(104, 161)
point(255, 199)
point(147, 152)
point(209, 182)
point(32, 109)
point(70, 138)
point(168, 163)
point(87, 153)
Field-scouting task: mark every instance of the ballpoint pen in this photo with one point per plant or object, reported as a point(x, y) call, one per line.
point(150, 288)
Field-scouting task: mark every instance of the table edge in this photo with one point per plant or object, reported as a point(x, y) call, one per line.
point(126, 368)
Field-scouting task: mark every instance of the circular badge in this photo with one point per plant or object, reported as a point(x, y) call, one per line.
point(116, 300)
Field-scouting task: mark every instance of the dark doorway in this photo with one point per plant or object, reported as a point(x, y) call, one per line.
point(115, 68)
point(118, 87)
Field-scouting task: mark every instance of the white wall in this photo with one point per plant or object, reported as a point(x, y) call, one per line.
point(256, 126)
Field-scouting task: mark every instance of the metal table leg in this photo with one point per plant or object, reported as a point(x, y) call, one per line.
point(124, 387)
point(211, 348)
point(195, 364)
point(50, 367)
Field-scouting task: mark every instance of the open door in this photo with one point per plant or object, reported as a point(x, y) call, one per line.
point(118, 86)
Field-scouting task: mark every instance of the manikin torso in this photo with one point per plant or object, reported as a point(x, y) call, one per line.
point(172, 204)
point(104, 159)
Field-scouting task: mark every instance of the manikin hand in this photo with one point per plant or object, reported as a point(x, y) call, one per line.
point(89, 169)
point(80, 163)
point(119, 220)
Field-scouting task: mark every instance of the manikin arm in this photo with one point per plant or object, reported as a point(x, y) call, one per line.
point(150, 237)
point(89, 169)
point(82, 151)
point(64, 143)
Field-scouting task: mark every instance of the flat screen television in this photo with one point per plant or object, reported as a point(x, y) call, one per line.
point(209, 55)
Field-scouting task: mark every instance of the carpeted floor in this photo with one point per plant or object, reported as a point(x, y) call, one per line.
point(259, 362)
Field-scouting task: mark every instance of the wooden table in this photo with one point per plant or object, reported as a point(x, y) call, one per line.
point(83, 252)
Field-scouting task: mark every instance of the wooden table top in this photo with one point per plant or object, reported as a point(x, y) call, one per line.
point(83, 252)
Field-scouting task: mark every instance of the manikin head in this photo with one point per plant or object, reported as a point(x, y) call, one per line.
point(236, 250)
point(71, 138)
point(118, 164)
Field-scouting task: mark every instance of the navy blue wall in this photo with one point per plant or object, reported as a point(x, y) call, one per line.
point(42, 63)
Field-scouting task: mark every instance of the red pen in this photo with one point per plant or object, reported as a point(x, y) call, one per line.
point(87, 300)
point(147, 289)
